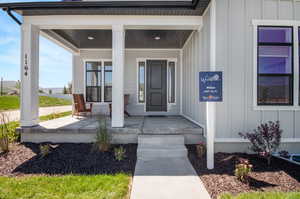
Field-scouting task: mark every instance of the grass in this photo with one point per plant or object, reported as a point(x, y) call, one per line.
point(12, 102)
point(65, 187)
point(14, 136)
point(263, 195)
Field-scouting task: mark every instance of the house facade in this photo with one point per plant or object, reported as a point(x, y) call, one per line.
point(154, 52)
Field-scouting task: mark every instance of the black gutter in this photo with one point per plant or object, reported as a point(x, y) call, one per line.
point(8, 10)
point(103, 4)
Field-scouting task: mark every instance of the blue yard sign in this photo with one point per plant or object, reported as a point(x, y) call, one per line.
point(210, 86)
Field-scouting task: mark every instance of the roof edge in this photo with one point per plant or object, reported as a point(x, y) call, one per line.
point(103, 4)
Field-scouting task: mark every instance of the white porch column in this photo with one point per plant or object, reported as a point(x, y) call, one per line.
point(118, 54)
point(211, 106)
point(29, 75)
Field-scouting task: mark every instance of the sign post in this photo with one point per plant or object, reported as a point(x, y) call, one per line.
point(210, 91)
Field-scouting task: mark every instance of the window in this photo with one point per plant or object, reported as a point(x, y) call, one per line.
point(275, 66)
point(98, 73)
point(107, 81)
point(171, 82)
point(93, 81)
point(141, 82)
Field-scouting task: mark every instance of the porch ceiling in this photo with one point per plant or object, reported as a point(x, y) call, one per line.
point(134, 38)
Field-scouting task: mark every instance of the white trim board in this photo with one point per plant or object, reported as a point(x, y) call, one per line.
point(107, 21)
point(240, 140)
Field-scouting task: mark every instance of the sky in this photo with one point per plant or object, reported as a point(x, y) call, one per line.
point(55, 62)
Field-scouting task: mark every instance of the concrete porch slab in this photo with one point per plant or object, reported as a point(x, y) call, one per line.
point(83, 129)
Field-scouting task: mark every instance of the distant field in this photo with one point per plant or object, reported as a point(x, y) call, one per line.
point(13, 102)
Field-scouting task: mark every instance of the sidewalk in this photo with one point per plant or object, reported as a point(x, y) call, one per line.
point(15, 115)
point(163, 170)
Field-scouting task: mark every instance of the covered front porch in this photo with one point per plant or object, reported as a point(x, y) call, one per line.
point(142, 57)
point(83, 129)
point(155, 60)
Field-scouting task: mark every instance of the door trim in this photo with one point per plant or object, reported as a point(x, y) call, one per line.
point(144, 59)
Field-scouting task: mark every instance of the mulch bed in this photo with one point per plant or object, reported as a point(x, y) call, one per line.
point(25, 159)
point(280, 176)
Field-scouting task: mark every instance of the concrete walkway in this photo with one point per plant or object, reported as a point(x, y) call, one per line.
point(164, 173)
point(15, 115)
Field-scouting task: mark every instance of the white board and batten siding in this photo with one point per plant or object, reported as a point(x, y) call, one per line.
point(130, 76)
point(195, 58)
point(235, 56)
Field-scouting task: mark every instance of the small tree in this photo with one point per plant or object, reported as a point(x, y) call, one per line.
point(50, 92)
point(264, 140)
point(69, 88)
point(65, 91)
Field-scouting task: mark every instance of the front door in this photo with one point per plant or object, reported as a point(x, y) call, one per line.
point(156, 96)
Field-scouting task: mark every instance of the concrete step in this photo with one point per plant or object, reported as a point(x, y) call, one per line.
point(161, 146)
point(161, 140)
point(147, 151)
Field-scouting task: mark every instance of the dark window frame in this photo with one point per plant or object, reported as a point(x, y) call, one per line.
point(104, 84)
point(291, 76)
point(99, 87)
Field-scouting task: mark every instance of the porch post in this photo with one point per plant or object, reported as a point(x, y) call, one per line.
point(118, 53)
point(29, 75)
point(211, 106)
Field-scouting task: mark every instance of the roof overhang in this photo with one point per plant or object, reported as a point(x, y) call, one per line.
point(183, 7)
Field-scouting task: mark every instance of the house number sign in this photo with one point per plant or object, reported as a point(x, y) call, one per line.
point(26, 65)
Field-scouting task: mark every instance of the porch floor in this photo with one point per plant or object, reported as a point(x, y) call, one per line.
point(83, 129)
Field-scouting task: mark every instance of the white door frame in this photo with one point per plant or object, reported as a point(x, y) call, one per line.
point(172, 59)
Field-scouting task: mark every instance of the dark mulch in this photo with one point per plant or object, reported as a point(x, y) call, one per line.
point(25, 159)
point(280, 176)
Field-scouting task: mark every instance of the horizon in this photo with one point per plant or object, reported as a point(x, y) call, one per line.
point(54, 60)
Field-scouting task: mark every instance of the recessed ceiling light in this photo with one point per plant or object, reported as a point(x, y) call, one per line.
point(157, 38)
point(90, 38)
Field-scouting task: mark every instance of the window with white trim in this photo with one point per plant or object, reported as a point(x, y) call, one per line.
point(171, 82)
point(141, 81)
point(275, 66)
point(98, 73)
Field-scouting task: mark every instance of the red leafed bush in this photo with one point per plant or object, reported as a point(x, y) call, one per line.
point(264, 140)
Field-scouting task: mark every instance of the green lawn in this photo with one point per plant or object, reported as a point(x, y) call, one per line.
point(263, 195)
point(65, 187)
point(8, 102)
point(14, 136)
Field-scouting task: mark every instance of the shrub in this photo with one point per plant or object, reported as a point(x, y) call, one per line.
point(45, 150)
point(242, 170)
point(120, 153)
point(4, 132)
point(265, 140)
point(13, 135)
point(200, 149)
point(102, 137)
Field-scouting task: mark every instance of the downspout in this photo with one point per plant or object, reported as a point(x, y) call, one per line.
point(8, 10)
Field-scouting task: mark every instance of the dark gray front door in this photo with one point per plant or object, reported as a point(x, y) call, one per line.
point(156, 85)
